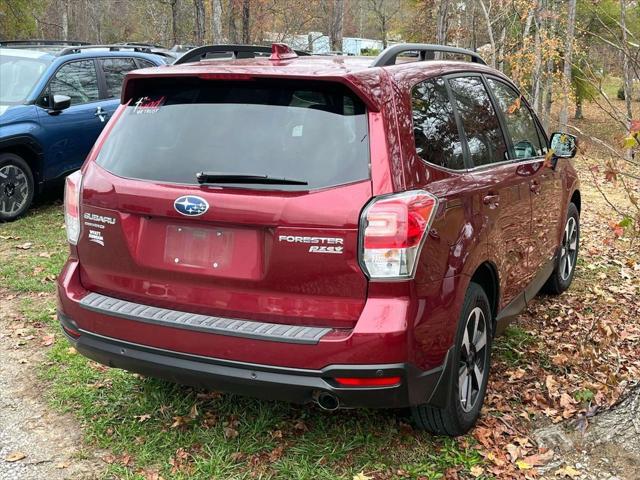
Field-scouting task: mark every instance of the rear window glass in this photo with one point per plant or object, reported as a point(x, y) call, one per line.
point(307, 131)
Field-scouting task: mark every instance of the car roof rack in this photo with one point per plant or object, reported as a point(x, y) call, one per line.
point(111, 47)
point(143, 44)
point(39, 43)
point(237, 51)
point(426, 51)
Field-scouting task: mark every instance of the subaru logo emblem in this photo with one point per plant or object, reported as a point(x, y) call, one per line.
point(191, 205)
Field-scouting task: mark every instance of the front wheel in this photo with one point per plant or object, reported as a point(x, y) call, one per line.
point(565, 268)
point(467, 387)
point(16, 186)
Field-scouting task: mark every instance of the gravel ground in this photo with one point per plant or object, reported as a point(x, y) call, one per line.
point(51, 443)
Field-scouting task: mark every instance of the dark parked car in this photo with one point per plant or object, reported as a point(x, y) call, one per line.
point(318, 229)
point(54, 100)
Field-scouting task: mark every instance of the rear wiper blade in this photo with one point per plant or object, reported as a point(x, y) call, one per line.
point(214, 177)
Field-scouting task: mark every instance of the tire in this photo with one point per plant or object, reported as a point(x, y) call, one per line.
point(16, 187)
point(462, 411)
point(561, 278)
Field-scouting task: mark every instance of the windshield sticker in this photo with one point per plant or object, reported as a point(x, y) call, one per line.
point(147, 105)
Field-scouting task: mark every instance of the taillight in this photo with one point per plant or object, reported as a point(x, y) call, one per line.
point(72, 188)
point(392, 230)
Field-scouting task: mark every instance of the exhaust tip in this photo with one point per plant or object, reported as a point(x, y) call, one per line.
point(327, 401)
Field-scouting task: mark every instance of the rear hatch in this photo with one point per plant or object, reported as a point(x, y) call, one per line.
point(268, 230)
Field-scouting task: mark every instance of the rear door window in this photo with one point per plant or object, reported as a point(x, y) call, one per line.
point(77, 80)
point(479, 120)
point(520, 123)
point(315, 132)
point(115, 70)
point(434, 125)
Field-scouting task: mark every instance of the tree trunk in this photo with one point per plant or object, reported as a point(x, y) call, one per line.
point(568, 60)
point(627, 83)
point(216, 21)
point(383, 31)
point(536, 79)
point(500, 54)
point(200, 21)
point(492, 41)
point(65, 20)
point(246, 12)
point(174, 21)
point(578, 115)
point(335, 28)
point(442, 22)
point(233, 30)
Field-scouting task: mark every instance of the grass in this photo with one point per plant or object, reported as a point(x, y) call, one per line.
point(151, 426)
point(512, 345)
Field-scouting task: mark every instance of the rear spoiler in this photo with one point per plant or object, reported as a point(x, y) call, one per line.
point(133, 79)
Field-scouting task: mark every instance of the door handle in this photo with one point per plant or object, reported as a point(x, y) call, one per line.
point(535, 187)
point(492, 200)
point(101, 114)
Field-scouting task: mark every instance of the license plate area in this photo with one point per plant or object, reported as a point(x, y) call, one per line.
point(198, 247)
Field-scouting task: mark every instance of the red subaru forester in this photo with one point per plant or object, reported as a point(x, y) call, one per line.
point(340, 230)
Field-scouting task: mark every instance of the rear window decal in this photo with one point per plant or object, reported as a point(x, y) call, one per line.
point(147, 105)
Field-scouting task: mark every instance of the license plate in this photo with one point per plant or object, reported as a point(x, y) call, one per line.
point(198, 247)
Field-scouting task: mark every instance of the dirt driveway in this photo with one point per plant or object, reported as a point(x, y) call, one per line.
point(35, 442)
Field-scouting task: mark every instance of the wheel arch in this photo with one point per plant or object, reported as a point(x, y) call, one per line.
point(27, 149)
point(486, 275)
point(576, 199)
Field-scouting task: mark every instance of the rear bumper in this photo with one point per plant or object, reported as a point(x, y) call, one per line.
point(261, 381)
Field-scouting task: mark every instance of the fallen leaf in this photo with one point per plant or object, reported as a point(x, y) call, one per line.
point(362, 476)
point(567, 471)
point(15, 456)
point(25, 246)
point(476, 471)
point(230, 433)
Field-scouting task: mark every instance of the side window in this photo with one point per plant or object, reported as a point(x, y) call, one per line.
point(114, 71)
point(520, 123)
point(78, 80)
point(480, 122)
point(144, 63)
point(434, 125)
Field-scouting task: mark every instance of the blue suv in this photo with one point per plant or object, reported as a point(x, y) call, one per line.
point(54, 102)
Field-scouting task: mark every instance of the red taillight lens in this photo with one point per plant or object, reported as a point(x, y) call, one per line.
point(392, 230)
point(367, 381)
point(72, 188)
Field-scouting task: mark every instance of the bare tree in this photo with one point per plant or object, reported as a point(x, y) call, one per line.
point(216, 21)
point(334, 11)
point(627, 83)
point(442, 22)
point(200, 21)
point(384, 11)
point(246, 25)
point(231, 17)
point(174, 5)
point(568, 63)
point(487, 19)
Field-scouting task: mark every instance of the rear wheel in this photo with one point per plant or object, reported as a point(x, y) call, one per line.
point(565, 268)
point(16, 186)
point(472, 354)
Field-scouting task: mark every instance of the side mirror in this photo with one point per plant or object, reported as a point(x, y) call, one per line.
point(60, 102)
point(564, 145)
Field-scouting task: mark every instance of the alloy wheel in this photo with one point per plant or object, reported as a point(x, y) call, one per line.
point(569, 249)
point(14, 189)
point(472, 367)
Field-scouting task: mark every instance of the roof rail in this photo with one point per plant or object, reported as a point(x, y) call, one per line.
point(236, 51)
point(425, 51)
point(111, 47)
point(25, 43)
point(143, 44)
